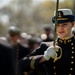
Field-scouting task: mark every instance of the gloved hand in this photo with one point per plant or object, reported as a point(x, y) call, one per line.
point(51, 52)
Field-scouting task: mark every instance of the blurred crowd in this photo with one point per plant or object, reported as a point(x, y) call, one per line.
point(32, 41)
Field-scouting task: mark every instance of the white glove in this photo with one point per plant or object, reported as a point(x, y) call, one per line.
point(51, 52)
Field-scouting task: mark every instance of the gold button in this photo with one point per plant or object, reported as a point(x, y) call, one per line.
point(72, 62)
point(54, 67)
point(70, 40)
point(72, 47)
point(71, 68)
point(72, 51)
point(60, 41)
point(72, 43)
point(72, 57)
point(54, 73)
point(70, 74)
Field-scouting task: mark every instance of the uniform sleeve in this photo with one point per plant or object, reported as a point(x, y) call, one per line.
point(32, 60)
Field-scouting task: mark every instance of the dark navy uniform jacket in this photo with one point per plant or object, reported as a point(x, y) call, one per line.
point(9, 57)
point(63, 66)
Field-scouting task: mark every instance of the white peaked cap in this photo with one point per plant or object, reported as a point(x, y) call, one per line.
point(64, 15)
point(65, 11)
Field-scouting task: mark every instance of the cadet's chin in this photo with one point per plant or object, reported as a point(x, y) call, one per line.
point(62, 36)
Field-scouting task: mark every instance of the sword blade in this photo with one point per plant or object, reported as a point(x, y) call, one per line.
point(55, 28)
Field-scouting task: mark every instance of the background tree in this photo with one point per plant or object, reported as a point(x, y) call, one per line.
point(31, 17)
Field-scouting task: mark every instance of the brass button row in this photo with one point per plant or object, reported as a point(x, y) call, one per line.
point(72, 57)
point(54, 68)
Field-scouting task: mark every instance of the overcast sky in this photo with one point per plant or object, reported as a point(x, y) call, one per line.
point(5, 2)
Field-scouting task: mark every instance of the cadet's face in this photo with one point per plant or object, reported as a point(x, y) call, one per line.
point(64, 30)
point(15, 38)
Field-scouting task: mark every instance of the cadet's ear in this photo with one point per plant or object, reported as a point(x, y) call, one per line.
point(73, 23)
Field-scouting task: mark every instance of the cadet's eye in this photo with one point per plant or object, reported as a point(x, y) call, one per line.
point(64, 24)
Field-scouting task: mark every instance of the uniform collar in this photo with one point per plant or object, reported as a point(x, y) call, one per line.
point(65, 41)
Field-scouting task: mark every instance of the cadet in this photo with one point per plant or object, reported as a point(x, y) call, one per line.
point(46, 55)
point(11, 51)
point(6, 66)
point(48, 33)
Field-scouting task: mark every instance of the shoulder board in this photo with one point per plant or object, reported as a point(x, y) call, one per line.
point(47, 43)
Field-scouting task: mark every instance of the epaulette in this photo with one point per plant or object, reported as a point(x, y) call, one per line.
point(47, 43)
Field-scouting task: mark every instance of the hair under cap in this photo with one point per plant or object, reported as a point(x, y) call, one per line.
point(13, 31)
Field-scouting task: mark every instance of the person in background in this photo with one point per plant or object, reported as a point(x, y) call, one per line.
point(23, 39)
point(6, 66)
point(33, 43)
point(48, 35)
point(46, 54)
point(38, 41)
point(13, 49)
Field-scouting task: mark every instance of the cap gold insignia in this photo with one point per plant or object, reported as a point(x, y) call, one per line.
point(59, 15)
